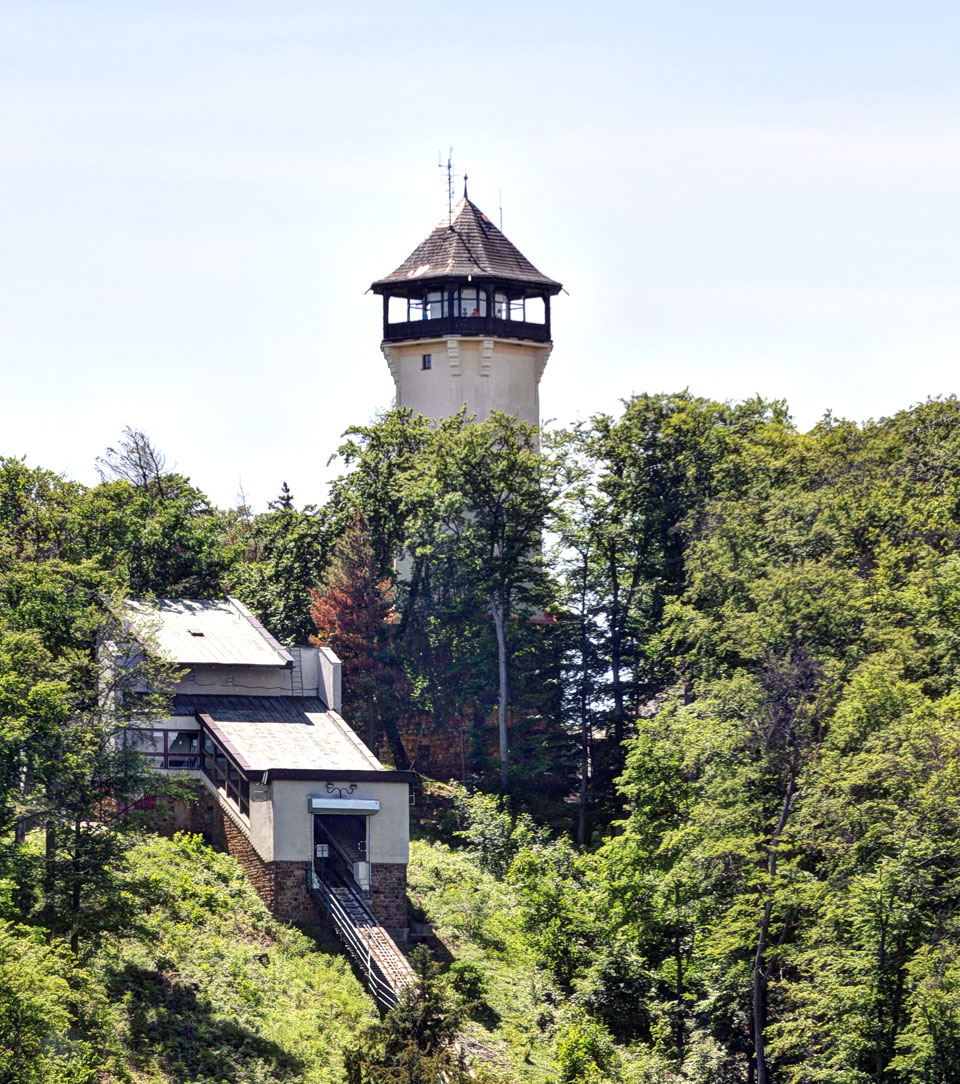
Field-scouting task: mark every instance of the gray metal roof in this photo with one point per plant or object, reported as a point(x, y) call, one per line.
point(467, 243)
point(323, 743)
point(250, 709)
point(196, 632)
point(267, 733)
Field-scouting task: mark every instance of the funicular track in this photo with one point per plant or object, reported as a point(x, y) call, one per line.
point(385, 968)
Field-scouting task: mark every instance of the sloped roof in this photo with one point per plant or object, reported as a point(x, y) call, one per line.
point(294, 732)
point(284, 734)
point(467, 243)
point(197, 632)
point(249, 709)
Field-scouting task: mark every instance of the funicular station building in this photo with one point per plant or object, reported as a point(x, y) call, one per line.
point(284, 783)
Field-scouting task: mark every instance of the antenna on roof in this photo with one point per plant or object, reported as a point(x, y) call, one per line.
point(501, 210)
point(449, 182)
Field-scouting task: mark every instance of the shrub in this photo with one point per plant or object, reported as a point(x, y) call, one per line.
point(468, 980)
point(487, 827)
point(585, 1052)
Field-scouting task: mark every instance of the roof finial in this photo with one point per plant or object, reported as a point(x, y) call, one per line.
point(465, 185)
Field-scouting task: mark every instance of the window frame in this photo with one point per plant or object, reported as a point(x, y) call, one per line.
point(478, 311)
point(159, 758)
point(230, 780)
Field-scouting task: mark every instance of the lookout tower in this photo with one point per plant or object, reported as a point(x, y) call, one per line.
point(466, 320)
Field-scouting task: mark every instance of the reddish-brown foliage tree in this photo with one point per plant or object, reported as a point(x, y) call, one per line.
point(354, 616)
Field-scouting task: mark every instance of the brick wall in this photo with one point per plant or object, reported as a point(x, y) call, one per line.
point(281, 885)
point(387, 897)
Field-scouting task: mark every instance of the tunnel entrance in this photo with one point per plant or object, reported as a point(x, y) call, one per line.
point(340, 846)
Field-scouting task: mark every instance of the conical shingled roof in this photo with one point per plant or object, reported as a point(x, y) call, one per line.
point(467, 243)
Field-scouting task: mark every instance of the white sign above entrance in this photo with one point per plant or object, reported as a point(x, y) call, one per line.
point(344, 805)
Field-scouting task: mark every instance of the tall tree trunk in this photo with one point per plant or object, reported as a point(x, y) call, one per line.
point(20, 825)
point(49, 877)
point(680, 1031)
point(616, 648)
point(499, 623)
point(75, 895)
point(50, 855)
point(584, 742)
point(760, 994)
point(759, 961)
point(395, 743)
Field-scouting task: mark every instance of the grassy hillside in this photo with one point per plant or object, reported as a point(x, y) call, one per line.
point(474, 918)
point(208, 988)
point(213, 989)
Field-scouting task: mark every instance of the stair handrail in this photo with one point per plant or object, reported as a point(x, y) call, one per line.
point(381, 988)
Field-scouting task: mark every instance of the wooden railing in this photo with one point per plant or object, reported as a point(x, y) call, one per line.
point(466, 325)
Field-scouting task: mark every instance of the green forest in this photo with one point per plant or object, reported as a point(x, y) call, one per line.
point(702, 671)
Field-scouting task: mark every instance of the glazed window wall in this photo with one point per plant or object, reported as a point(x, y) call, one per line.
point(173, 750)
point(433, 306)
point(225, 775)
point(465, 301)
point(469, 301)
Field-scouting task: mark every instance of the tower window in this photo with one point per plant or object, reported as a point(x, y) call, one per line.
point(470, 301)
point(535, 311)
point(427, 361)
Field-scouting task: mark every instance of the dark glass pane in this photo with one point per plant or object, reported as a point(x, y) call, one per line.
point(146, 741)
point(183, 741)
point(183, 761)
point(473, 302)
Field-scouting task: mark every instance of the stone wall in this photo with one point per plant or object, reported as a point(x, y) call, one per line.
point(281, 885)
point(387, 897)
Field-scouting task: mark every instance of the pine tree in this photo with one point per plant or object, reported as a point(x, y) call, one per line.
point(354, 616)
point(414, 1043)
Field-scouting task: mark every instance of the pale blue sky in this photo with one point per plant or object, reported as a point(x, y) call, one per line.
point(740, 198)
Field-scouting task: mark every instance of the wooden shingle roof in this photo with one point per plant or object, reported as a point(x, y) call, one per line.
point(467, 243)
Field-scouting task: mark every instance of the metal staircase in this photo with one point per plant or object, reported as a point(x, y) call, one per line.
point(384, 966)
